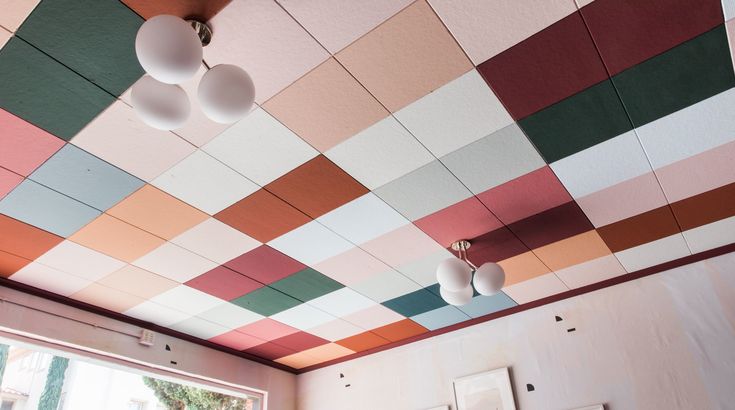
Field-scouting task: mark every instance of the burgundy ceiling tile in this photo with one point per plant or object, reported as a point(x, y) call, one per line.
point(706, 207)
point(300, 341)
point(495, 246)
point(270, 351)
point(525, 196)
point(265, 265)
point(463, 220)
point(551, 65)
point(224, 283)
point(637, 230)
point(552, 225)
point(629, 32)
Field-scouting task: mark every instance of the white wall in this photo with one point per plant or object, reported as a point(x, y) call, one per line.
point(666, 341)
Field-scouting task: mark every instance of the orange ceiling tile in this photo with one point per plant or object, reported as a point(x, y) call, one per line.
point(400, 330)
point(200, 9)
point(363, 341)
point(9, 264)
point(25, 240)
point(522, 267)
point(571, 251)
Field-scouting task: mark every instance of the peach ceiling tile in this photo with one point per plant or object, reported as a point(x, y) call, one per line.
point(337, 23)
point(107, 298)
point(326, 106)
point(405, 58)
point(297, 360)
point(15, 12)
point(572, 251)
point(138, 282)
point(522, 267)
point(157, 212)
point(116, 238)
point(260, 37)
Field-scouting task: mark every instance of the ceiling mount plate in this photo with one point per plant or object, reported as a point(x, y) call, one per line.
point(461, 245)
point(202, 30)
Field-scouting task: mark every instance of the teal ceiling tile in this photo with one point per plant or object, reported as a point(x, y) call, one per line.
point(306, 285)
point(415, 303)
point(689, 73)
point(86, 178)
point(45, 93)
point(266, 301)
point(484, 305)
point(44, 208)
point(439, 318)
point(95, 38)
point(578, 122)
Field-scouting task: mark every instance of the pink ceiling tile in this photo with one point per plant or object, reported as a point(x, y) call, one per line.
point(265, 264)
point(268, 329)
point(8, 181)
point(24, 146)
point(463, 220)
point(351, 267)
point(15, 12)
point(224, 283)
point(616, 202)
point(260, 37)
point(525, 196)
point(484, 28)
point(372, 317)
point(237, 340)
point(699, 173)
point(402, 245)
point(405, 58)
point(337, 23)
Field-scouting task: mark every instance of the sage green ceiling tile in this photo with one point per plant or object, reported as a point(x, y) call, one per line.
point(45, 93)
point(688, 73)
point(578, 122)
point(306, 285)
point(95, 38)
point(266, 301)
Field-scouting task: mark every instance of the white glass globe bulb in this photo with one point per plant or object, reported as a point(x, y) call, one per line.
point(454, 274)
point(459, 298)
point(226, 93)
point(489, 279)
point(159, 105)
point(168, 49)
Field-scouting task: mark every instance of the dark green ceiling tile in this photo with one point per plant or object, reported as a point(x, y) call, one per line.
point(45, 93)
point(578, 122)
point(266, 301)
point(689, 73)
point(306, 285)
point(95, 38)
point(414, 303)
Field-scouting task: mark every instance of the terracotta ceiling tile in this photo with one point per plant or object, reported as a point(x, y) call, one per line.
point(202, 10)
point(25, 240)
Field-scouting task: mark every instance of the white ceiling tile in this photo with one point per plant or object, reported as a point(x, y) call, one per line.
point(342, 302)
point(205, 183)
point(711, 235)
point(363, 219)
point(303, 317)
point(653, 253)
point(156, 313)
point(50, 279)
point(380, 153)
point(80, 261)
point(423, 270)
point(199, 327)
point(536, 288)
point(593, 271)
point(311, 243)
point(216, 241)
point(455, 115)
point(374, 317)
point(187, 300)
point(335, 330)
point(386, 285)
point(230, 315)
point(260, 147)
point(174, 262)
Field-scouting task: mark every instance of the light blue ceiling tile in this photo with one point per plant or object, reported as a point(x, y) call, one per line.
point(86, 178)
point(46, 209)
point(439, 318)
point(484, 305)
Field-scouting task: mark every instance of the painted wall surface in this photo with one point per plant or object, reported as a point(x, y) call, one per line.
point(665, 341)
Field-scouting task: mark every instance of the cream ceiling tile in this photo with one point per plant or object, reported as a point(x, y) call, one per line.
point(653, 253)
point(455, 115)
point(485, 28)
point(175, 263)
point(156, 313)
point(205, 183)
point(379, 154)
point(303, 317)
point(199, 327)
point(535, 289)
point(80, 261)
point(363, 219)
point(335, 330)
point(342, 302)
point(260, 147)
point(50, 279)
point(593, 271)
point(423, 270)
point(386, 285)
point(230, 315)
point(311, 243)
point(187, 300)
point(712, 235)
point(120, 138)
point(260, 37)
point(337, 23)
point(372, 317)
point(216, 241)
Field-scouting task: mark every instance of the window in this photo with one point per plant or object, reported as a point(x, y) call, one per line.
point(136, 405)
point(7, 405)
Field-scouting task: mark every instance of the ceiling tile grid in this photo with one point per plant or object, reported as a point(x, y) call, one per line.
point(546, 132)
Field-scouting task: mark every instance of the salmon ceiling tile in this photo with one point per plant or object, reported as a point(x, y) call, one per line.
point(8, 181)
point(25, 146)
point(522, 267)
point(405, 58)
point(572, 251)
point(200, 9)
point(260, 37)
point(326, 106)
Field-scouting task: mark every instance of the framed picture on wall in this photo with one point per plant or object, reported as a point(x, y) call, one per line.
point(485, 391)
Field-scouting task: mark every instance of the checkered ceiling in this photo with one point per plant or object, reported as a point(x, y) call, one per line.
point(571, 142)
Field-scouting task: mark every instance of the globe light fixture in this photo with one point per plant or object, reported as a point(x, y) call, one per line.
point(169, 49)
point(159, 105)
point(454, 274)
point(489, 279)
point(455, 277)
point(459, 298)
point(226, 93)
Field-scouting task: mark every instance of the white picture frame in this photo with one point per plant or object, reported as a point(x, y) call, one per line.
point(594, 407)
point(490, 390)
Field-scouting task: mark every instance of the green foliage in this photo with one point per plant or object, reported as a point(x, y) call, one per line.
point(3, 360)
point(54, 382)
point(179, 397)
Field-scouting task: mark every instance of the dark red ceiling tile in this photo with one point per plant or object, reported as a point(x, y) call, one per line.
point(317, 187)
point(552, 225)
point(270, 351)
point(551, 65)
point(200, 9)
point(463, 220)
point(637, 230)
point(495, 246)
point(707, 207)
point(265, 265)
point(526, 195)
point(300, 341)
point(224, 283)
point(628, 32)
